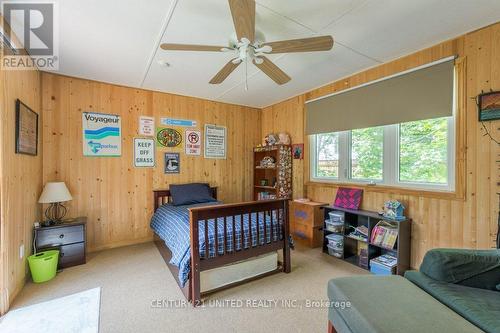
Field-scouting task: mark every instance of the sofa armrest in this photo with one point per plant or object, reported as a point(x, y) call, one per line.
point(473, 268)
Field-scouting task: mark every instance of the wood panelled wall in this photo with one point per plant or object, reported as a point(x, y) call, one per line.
point(20, 182)
point(439, 220)
point(288, 116)
point(115, 196)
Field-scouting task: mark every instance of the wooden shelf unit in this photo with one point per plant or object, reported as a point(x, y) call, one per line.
point(370, 219)
point(279, 177)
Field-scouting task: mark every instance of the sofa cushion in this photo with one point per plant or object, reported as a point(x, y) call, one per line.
point(390, 304)
point(481, 307)
point(473, 268)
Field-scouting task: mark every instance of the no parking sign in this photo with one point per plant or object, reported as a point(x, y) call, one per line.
point(193, 142)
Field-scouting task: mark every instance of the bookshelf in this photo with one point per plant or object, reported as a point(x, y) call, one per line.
point(272, 182)
point(351, 246)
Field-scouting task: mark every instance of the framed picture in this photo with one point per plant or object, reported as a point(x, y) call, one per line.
point(172, 163)
point(26, 130)
point(489, 106)
point(298, 151)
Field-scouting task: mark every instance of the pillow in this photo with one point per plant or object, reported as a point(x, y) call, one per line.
point(188, 194)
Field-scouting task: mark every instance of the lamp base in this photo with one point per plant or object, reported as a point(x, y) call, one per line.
point(55, 213)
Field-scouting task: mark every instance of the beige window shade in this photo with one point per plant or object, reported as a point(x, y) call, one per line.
point(422, 94)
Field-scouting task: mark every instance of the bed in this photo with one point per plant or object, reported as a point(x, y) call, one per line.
point(226, 243)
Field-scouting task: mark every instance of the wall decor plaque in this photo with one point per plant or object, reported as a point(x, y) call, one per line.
point(26, 130)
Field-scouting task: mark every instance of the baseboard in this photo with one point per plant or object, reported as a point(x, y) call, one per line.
point(119, 244)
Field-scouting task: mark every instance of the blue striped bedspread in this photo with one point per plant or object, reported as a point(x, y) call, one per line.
point(171, 224)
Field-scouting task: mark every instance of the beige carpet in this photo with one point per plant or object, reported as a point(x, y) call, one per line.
point(133, 278)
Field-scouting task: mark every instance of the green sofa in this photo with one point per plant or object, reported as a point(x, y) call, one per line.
point(454, 291)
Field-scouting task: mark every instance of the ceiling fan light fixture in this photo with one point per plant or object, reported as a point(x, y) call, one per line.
point(245, 41)
point(248, 44)
point(264, 49)
point(258, 60)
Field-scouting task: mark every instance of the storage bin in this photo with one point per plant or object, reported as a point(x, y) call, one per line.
point(43, 265)
point(337, 227)
point(336, 241)
point(336, 216)
point(335, 251)
point(379, 269)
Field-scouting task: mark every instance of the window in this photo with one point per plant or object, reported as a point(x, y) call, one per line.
point(423, 151)
point(327, 146)
point(417, 154)
point(367, 153)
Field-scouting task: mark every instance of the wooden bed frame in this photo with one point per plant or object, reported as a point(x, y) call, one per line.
point(201, 215)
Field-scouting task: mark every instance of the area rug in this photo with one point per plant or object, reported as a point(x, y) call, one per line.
point(74, 313)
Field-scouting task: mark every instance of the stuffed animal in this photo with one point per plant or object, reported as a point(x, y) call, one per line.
point(284, 138)
point(270, 140)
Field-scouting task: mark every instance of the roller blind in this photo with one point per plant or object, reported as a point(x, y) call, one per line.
point(422, 94)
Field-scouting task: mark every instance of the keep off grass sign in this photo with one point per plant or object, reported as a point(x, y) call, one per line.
point(193, 142)
point(144, 153)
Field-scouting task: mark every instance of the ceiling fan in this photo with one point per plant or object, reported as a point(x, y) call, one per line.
point(250, 45)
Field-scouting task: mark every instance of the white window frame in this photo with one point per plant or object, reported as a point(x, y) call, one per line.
point(390, 161)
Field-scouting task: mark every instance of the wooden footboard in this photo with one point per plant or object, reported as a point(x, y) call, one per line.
point(275, 210)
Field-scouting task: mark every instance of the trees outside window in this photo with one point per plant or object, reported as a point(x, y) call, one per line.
point(327, 147)
point(367, 153)
point(416, 154)
point(423, 151)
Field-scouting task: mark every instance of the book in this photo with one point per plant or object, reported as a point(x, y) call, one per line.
point(390, 238)
point(359, 233)
point(363, 230)
point(386, 260)
point(384, 235)
point(378, 235)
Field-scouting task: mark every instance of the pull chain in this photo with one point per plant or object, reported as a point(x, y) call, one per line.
point(246, 74)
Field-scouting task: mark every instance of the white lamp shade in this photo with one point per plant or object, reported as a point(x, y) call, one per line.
point(55, 192)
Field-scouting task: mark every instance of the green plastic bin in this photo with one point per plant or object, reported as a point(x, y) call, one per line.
point(43, 265)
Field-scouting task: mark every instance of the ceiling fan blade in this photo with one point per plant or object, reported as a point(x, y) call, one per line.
point(243, 12)
point(271, 70)
point(191, 47)
point(322, 43)
point(224, 72)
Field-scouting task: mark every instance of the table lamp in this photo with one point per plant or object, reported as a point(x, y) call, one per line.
point(54, 193)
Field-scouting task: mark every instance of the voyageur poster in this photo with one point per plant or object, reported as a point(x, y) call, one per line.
point(101, 134)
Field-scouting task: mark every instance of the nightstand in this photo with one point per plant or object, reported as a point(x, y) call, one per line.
point(67, 237)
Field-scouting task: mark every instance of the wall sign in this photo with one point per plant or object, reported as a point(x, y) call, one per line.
point(193, 142)
point(215, 141)
point(101, 134)
point(298, 151)
point(489, 106)
point(172, 163)
point(146, 126)
point(178, 122)
point(26, 130)
point(144, 153)
point(168, 137)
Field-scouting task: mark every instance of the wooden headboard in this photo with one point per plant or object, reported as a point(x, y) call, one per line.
point(162, 197)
